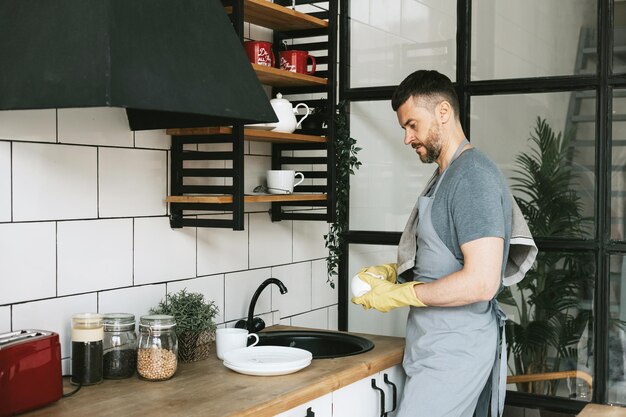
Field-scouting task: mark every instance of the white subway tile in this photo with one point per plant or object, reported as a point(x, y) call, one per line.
point(95, 126)
point(133, 182)
point(5, 319)
point(297, 279)
point(53, 182)
point(27, 261)
point(5, 181)
point(308, 239)
point(222, 250)
point(260, 33)
point(29, 125)
point(135, 300)
point(238, 290)
point(322, 293)
point(260, 148)
point(333, 318)
point(211, 287)
point(316, 319)
point(270, 243)
point(156, 139)
point(255, 172)
point(285, 322)
point(54, 315)
point(94, 255)
point(163, 253)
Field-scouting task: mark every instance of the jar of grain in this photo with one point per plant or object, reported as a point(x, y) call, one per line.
point(120, 345)
point(158, 347)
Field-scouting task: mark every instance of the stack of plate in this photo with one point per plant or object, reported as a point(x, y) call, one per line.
point(267, 360)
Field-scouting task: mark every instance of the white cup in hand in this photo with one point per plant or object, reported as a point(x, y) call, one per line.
point(231, 338)
point(282, 181)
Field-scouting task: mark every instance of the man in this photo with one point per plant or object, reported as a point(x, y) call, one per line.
point(451, 262)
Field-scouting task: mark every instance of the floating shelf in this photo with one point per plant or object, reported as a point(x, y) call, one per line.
point(250, 134)
point(282, 78)
point(273, 16)
point(256, 198)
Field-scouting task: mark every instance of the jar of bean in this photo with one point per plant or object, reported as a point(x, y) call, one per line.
point(158, 347)
point(120, 345)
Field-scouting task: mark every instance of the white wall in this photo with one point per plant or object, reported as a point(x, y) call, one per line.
point(84, 228)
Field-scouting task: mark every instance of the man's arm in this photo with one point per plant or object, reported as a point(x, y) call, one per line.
point(478, 280)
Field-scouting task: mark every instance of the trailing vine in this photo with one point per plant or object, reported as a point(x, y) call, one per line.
point(346, 162)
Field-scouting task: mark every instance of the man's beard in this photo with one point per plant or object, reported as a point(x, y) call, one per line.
point(432, 145)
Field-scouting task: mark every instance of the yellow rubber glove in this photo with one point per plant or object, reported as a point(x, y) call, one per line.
point(385, 296)
point(387, 272)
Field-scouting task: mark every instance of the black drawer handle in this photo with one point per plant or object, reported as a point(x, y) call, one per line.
point(382, 398)
point(309, 413)
point(395, 392)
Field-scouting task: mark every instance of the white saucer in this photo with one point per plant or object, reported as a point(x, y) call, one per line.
point(267, 360)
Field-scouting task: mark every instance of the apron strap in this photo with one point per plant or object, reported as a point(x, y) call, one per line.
point(498, 372)
point(456, 155)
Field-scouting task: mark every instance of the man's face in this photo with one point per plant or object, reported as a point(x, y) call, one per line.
point(421, 130)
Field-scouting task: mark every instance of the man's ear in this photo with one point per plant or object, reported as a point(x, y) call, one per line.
point(444, 112)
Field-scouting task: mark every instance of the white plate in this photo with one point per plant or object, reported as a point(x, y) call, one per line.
point(267, 360)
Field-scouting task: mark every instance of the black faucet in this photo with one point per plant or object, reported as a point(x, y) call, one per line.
point(256, 324)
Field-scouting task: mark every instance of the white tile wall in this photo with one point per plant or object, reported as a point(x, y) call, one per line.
point(29, 125)
point(270, 243)
point(53, 182)
point(95, 126)
point(238, 290)
point(132, 182)
point(322, 294)
point(308, 240)
point(222, 250)
point(135, 300)
point(316, 319)
point(54, 315)
point(27, 261)
point(333, 318)
point(212, 287)
point(163, 253)
point(255, 172)
point(5, 319)
point(94, 255)
point(5, 181)
point(297, 279)
point(156, 139)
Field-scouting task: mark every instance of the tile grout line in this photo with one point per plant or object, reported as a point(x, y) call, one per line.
point(56, 259)
point(133, 252)
point(11, 176)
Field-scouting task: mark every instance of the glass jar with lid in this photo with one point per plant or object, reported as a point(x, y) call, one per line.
point(158, 347)
point(120, 345)
point(87, 347)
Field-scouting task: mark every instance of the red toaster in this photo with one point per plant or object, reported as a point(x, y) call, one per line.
point(30, 370)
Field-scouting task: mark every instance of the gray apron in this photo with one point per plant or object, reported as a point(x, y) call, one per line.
point(451, 353)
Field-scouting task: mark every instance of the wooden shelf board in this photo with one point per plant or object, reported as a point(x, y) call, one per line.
point(250, 134)
point(273, 16)
point(282, 78)
point(249, 198)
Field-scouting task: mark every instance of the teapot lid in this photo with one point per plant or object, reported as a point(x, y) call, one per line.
point(279, 99)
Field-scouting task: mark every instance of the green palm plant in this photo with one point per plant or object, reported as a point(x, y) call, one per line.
point(547, 301)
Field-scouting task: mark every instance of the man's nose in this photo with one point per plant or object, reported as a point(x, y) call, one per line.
point(408, 137)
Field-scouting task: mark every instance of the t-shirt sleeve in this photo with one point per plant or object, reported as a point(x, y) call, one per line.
point(477, 207)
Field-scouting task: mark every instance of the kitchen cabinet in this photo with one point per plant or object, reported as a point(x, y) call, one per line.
point(205, 190)
point(365, 398)
point(319, 407)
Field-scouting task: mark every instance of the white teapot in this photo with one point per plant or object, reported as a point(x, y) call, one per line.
point(286, 114)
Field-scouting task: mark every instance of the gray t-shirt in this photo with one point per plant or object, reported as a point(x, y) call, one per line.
point(472, 202)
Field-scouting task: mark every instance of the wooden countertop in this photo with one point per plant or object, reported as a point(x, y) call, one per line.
point(207, 388)
point(597, 410)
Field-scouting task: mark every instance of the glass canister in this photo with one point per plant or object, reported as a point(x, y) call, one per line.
point(87, 348)
point(120, 345)
point(158, 347)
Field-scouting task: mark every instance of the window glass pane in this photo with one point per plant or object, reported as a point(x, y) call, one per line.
point(385, 188)
point(533, 38)
point(556, 193)
point(371, 321)
point(617, 331)
point(619, 37)
point(618, 166)
point(549, 327)
point(391, 39)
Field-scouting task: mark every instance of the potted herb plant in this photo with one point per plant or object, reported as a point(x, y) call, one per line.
point(195, 326)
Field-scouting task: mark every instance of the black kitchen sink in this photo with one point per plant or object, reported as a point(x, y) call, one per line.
point(321, 344)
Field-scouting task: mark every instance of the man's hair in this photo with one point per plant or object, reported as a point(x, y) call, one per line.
point(428, 85)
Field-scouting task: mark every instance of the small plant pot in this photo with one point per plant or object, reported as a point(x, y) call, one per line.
point(195, 346)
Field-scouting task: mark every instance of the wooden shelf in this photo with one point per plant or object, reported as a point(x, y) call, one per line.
point(249, 198)
point(282, 78)
point(276, 17)
point(250, 134)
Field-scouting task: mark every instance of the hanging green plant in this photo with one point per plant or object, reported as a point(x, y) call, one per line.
point(346, 162)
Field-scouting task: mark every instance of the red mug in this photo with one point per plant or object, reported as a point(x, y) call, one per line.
point(260, 52)
point(296, 61)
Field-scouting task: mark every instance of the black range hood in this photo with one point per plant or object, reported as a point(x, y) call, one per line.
point(169, 63)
